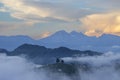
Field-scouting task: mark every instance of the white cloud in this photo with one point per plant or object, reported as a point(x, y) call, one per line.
point(97, 24)
point(14, 28)
point(42, 35)
point(57, 11)
point(21, 11)
point(41, 11)
point(18, 68)
point(116, 47)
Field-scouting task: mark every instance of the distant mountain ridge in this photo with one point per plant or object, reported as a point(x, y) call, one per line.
point(12, 42)
point(76, 40)
point(3, 51)
point(41, 54)
point(72, 40)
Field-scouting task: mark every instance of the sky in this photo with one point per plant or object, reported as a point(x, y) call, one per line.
point(41, 18)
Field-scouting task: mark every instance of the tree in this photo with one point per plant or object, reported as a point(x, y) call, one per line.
point(62, 61)
point(57, 60)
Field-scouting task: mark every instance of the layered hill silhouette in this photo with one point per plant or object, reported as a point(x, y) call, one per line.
point(3, 51)
point(43, 55)
point(73, 40)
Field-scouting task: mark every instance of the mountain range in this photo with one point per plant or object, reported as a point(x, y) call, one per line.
point(72, 40)
point(43, 55)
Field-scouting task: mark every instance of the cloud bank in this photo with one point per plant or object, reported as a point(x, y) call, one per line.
point(18, 68)
point(42, 11)
point(98, 24)
point(95, 17)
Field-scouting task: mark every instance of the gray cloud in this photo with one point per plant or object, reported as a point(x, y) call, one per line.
point(58, 12)
point(14, 28)
point(42, 11)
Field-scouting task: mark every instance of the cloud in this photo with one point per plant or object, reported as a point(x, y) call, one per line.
point(116, 47)
point(18, 68)
point(100, 5)
point(36, 11)
point(43, 35)
point(46, 34)
point(14, 28)
point(43, 11)
point(18, 10)
point(98, 24)
point(3, 10)
point(104, 59)
point(96, 68)
point(62, 12)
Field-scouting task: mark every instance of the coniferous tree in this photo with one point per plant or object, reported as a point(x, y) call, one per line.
point(57, 60)
point(62, 61)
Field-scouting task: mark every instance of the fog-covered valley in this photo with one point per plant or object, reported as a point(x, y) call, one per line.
point(100, 67)
point(59, 39)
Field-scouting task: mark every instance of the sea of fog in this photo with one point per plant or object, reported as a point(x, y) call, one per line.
point(18, 68)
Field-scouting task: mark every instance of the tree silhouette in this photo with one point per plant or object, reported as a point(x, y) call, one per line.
point(57, 60)
point(62, 61)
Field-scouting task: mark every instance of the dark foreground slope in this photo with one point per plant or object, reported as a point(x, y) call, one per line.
point(41, 54)
point(68, 69)
point(61, 69)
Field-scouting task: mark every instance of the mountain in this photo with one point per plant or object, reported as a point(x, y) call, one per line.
point(62, 38)
point(41, 54)
point(3, 51)
point(76, 40)
point(72, 40)
point(11, 42)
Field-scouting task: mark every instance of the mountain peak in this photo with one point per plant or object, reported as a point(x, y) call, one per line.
point(77, 34)
point(74, 32)
point(61, 32)
point(29, 46)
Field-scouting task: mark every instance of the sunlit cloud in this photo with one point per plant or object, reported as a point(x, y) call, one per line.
point(10, 28)
point(42, 35)
point(40, 11)
point(3, 10)
point(96, 16)
point(21, 11)
point(98, 24)
point(46, 34)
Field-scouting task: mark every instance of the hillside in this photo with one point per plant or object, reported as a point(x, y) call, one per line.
point(41, 54)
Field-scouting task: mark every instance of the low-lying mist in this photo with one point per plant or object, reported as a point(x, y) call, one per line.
point(104, 67)
point(18, 68)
